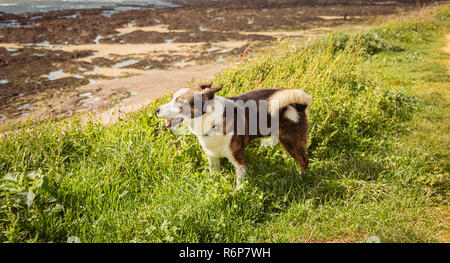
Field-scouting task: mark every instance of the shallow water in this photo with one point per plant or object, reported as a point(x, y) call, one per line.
point(54, 75)
point(24, 106)
point(70, 16)
point(24, 6)
point(43, 44)
point(86, 94)
point(125, 63)
point(13, 24)
point(212, 49)
point(179, 64)
point(97, 40)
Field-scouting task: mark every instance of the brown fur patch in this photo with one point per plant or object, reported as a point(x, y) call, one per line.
point(292, 135)
point(188, 97)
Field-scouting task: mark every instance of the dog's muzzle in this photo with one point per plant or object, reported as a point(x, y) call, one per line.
point(170, 122)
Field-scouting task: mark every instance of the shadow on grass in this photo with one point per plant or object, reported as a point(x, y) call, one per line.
point(280, 178)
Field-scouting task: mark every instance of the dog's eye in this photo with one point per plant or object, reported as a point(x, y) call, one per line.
point(180, 109)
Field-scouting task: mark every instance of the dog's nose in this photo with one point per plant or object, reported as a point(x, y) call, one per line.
point(157, 110)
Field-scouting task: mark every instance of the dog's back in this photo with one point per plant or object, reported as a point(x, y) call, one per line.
point(290, 107)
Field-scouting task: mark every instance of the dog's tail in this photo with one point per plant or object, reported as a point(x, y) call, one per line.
point(294, 100)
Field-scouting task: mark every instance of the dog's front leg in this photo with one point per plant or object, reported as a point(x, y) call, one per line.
point(240, 170)
point(214, 164)
point(240, 175)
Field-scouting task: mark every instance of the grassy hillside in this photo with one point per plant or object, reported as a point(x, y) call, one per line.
point(378, 152)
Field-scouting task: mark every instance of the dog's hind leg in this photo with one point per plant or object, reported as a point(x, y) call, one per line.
point(293, 134)
point(214, 164)
point(295, 141)
point(298, 152)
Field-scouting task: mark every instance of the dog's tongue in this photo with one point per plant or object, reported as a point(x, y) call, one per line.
point(172, 123)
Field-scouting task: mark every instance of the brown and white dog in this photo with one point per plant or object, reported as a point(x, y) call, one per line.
point(225, 126)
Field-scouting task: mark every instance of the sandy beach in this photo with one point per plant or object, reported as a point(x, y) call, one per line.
point(60, 63)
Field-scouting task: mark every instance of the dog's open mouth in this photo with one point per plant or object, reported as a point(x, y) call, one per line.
point(173, 123)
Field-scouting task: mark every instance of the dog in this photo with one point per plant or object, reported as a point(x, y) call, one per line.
point(225, 126)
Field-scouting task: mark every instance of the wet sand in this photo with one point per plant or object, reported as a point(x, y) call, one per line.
point(65, 62)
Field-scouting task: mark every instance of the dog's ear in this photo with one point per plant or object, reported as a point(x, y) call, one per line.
point(206, 85)
point(209, 94)
point(215, 89)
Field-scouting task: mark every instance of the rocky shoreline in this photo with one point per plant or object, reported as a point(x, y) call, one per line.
point(46, 57)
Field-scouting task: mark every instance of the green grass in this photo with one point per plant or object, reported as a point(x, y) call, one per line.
point(378, 152)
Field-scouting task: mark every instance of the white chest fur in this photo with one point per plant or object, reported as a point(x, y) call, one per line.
point(213, 142)
point(216, 145)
